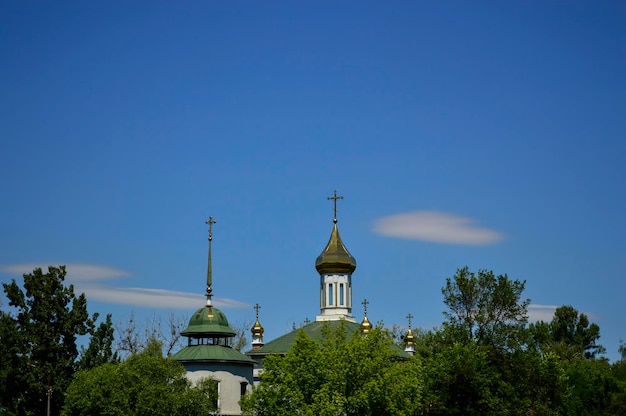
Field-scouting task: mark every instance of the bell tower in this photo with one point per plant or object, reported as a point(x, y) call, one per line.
point(335, 265)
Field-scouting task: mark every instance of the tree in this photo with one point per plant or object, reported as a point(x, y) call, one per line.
point(100, 349)
point(459, 380)
point(618, 370)
point(39, 336)
point(569, 334)
point(132, 339)
point(478, 362)
point(343, 374)
point(485, 307)
point(145, 384)
point(592, 387)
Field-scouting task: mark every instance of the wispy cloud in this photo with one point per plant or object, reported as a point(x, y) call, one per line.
point(154, 298)
point(437, 227)
point(75, 271)
point(546, 313)
point(89, 278)
point(540, 312)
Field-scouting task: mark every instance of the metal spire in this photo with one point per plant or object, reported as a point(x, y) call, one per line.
point(209, 271)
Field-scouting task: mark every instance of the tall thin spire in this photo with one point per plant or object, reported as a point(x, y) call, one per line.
point(209, 270)
point(335, 198)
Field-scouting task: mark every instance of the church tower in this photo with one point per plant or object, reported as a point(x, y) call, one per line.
point(209, 352)
point(335, 265)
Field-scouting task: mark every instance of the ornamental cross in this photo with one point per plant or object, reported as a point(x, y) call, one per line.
point(256, 308)
point(365, 303)
point(409, 317)
point(307, 320)
point(210, 221)
point(335, 198)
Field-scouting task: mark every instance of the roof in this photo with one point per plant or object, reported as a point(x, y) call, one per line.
point(282, 344)
point(212, 353)
point(313, 330)
point(208, 321)
point(335, 258)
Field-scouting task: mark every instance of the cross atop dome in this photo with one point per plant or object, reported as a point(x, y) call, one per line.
point(334, 198)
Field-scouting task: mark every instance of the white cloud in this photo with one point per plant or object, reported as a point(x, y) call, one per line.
point(154, 298)
point(540, 312)
point(75, 271)
point(437, 227)
point(87, 278)
point(546, 313)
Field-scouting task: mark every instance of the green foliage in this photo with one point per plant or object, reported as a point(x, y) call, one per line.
point(488, 309)
point(343, 374)
point(100, 350)
point(618, 370)
point(39, 336)
point(569, 335)
point(592, 386)
point(145, 384)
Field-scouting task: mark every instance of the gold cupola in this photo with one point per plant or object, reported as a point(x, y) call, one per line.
point(257, 329)
point(335, 258)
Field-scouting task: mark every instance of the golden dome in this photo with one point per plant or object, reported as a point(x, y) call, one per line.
point(409, 338)
point(335, 258)
point(366, 325)
point(257, 329)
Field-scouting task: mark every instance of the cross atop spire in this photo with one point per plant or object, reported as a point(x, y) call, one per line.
point(409, 317)
point(335, 198)
point(209, 270)
point(210, 222)
point(365, 303)
point(256, 308)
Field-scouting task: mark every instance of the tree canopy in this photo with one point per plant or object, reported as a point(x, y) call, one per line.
point(485, 307)
point(342, 374)
point(144, 384)
point(39, 334)
point(569, 334)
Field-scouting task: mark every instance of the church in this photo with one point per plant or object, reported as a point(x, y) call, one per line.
point(209, 352)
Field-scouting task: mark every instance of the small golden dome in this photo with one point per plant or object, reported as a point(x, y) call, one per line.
point(257, 329)
point(409, 338)
point(366, 325)
point(335, 258)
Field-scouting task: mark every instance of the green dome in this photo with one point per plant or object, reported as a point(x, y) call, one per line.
point(208, 321)
point(335, 258)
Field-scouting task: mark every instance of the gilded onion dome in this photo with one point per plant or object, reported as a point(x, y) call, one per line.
point(335, 258)
point(257, 329)
point(366, 325)
point(409, 338)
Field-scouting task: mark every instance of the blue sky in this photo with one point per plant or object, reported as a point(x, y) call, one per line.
point(486, 134)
